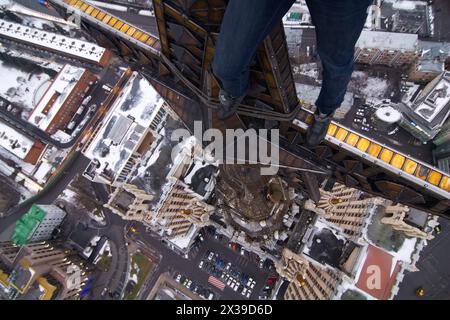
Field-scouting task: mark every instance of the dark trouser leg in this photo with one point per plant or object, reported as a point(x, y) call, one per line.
point(338, 26)
point(245, 25)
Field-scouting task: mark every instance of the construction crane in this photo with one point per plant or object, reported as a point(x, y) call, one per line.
point(176, 61)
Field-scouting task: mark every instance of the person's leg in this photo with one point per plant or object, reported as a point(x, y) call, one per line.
point(245, 25)
point(338, 26)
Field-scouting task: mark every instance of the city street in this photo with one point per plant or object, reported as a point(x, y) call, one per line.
point(77, 166)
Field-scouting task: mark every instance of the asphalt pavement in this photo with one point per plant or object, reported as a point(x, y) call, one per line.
point(434, 270)
point(170, 261)
point(78, 165)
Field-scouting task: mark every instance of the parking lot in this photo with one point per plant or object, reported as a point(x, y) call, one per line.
point(224, 273)
point(188, 266)
point(235, 267)
point(195, 287)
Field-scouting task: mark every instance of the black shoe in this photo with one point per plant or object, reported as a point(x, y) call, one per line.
point(318, 129)
point(228, 104)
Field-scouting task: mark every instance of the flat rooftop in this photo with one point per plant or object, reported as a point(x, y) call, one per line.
point(387, 40)
point(388, 269)
point(56, 42)
point(14, 141)
point(325, 245)
point(125, 126)
point(151, 175)
point(55, 96)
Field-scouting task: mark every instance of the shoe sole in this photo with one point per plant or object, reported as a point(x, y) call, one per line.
point(228, 114)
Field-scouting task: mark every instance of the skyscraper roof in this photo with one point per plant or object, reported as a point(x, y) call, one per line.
point(27, 224)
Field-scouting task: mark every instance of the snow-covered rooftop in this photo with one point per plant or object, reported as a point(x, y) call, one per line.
point(436, 100)
point(22, 88)
point(53, 41)
point(185, 155)
point(183, 242)
point(43, 170)
point(131, 114)
point(18, 8)
point(62, 85)
point(387, 40)
point(14, 141)
point(406, 4)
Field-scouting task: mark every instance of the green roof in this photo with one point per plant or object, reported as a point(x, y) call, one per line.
point(27, 224)
point(295, 16)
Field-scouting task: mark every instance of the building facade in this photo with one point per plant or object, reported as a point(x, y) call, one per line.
point(386, 48)
point(344, 207)
point(42, 271)
point(308, 279)
point(181, 208)
point(129, 202)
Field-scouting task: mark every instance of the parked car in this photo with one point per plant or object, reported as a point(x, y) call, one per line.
point(200, 265)
point(104, 291)
point(220, 264)
point(178, 278)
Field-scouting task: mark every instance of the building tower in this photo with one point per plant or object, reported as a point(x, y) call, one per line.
point(182, 208)
point(396, 215)
point(129, 202)
point(344, 207)
point(308, 279)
